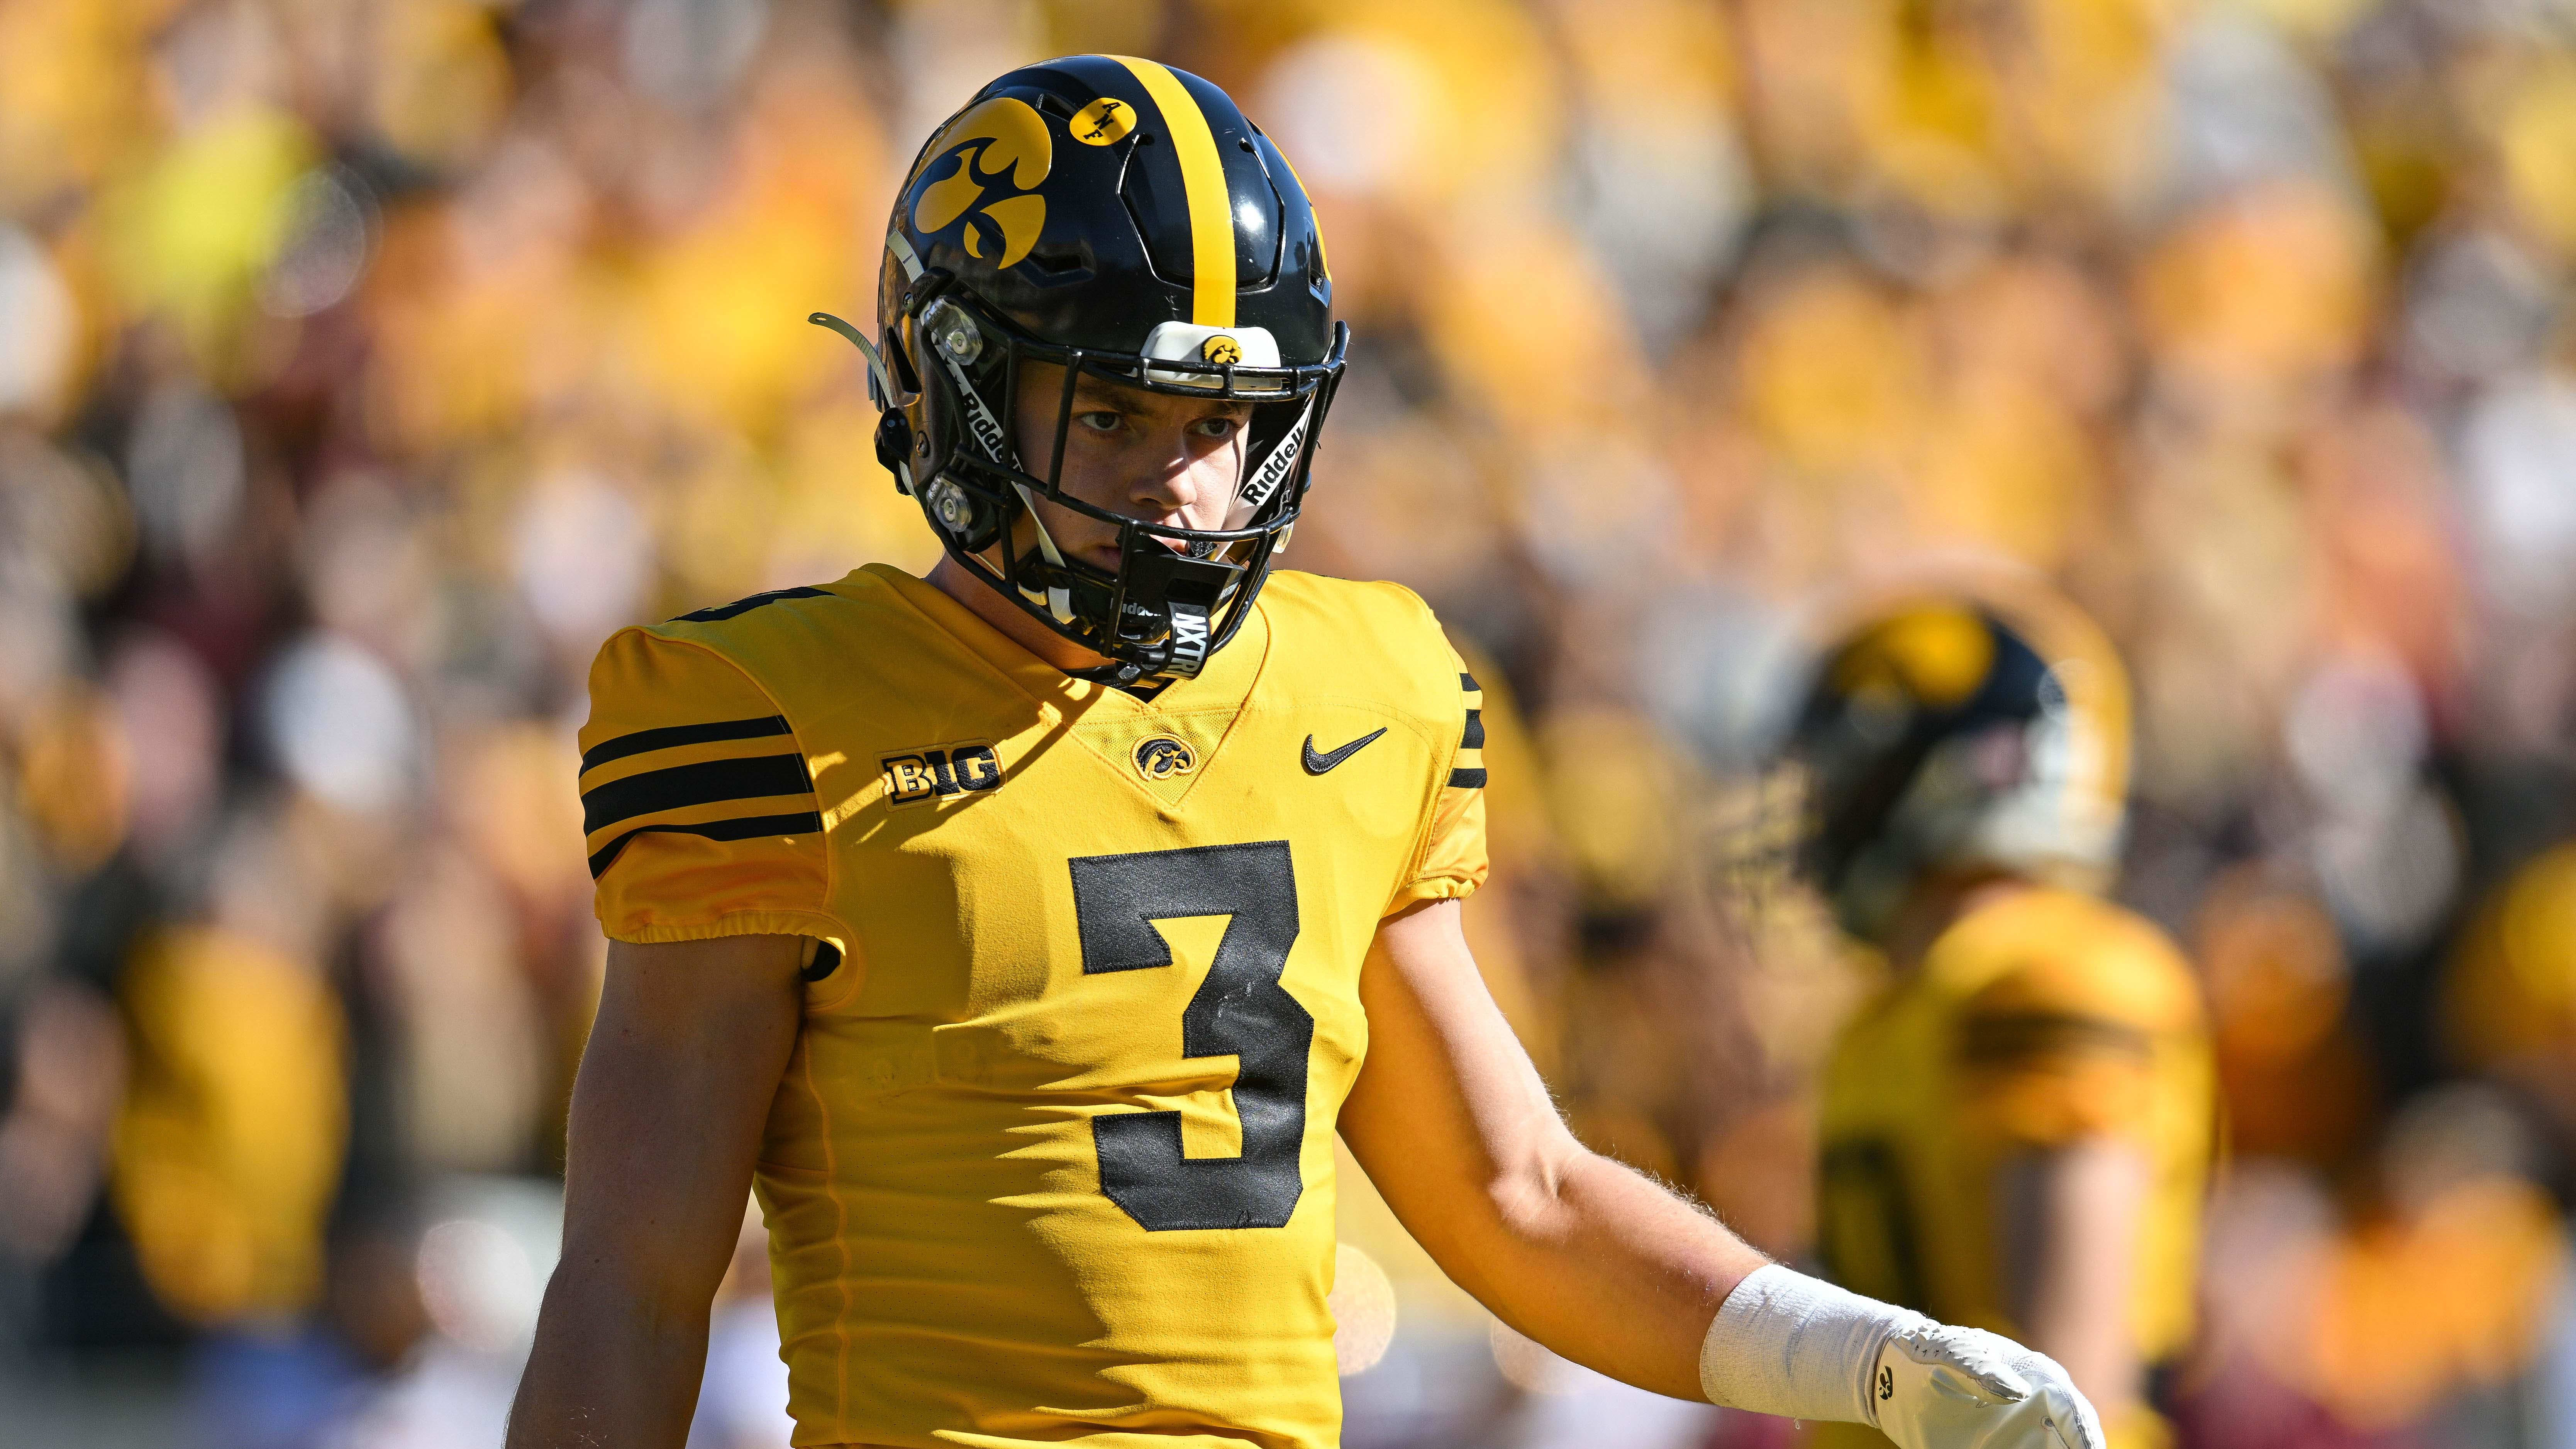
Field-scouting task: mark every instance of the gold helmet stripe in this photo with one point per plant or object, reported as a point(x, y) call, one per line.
point(1202, 186)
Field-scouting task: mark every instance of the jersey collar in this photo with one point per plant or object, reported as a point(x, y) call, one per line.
point(1222, 686)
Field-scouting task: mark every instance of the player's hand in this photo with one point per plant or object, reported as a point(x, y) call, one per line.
point(1941, 1387)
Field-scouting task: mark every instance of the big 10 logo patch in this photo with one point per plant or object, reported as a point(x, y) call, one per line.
point(939, 773)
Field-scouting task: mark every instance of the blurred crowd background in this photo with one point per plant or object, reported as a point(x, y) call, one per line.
point(363, 363)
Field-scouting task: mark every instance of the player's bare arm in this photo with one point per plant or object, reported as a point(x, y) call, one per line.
point(1602, 1265)
point(666, 1118)
point(1454, 1126)
point(2073, 1215)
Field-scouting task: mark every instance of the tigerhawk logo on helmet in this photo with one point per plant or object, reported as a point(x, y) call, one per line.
point(1124, 220)
point(999, 143)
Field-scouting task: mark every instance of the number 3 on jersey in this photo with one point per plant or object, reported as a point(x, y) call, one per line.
point(1240, 1011)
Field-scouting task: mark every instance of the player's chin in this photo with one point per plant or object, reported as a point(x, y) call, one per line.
point(1106, 553)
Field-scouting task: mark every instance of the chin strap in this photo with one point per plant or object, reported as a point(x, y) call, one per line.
point(1185, 592)
point(880, 390)
point(1055, 599)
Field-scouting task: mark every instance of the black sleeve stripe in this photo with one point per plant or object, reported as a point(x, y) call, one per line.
point(1467, 779)
point(808, 823)
point(744, 606)
point(1475, 737)
point(1468, 682)
point(669, 736)
point(2009, 1038)
point(703, 783)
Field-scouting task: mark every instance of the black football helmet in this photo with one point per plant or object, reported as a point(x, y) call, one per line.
point(1120, 218)
point(1971, 730)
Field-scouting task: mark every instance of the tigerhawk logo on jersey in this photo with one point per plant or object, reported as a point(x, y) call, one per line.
point(936, 774)
point(1162, 757)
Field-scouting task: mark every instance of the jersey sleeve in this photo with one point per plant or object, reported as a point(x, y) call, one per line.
point(2077, 1041)
point(1452, 862)
point(699, 809)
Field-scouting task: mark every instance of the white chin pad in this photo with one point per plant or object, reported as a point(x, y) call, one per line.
point(1207, 347)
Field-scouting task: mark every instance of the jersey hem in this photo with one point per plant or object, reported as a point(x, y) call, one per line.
point(1434, 888)
point(740, 923)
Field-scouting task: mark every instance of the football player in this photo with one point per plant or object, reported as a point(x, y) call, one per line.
point(2016, 1132)
point(1022, 934)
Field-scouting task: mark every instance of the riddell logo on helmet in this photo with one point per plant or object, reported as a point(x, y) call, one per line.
point(1004, 141)
point(1256, 490)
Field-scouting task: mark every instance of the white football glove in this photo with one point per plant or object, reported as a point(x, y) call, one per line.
point(1940, 1387)
point(1787, 1344)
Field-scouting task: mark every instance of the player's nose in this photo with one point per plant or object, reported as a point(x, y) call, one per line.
point(1179, 484)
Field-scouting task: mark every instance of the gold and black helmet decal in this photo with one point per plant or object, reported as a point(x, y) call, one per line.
point(1001, 154)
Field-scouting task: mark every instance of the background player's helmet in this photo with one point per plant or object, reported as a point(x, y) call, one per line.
point(1119, 218)
point(1945, 733)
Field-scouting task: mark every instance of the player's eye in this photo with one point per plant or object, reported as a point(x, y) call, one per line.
point(1217, 427)
point(1099, 422)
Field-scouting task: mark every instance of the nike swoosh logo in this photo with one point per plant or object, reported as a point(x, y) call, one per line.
point(1317, 764)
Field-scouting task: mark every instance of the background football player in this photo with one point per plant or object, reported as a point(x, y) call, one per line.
point(1023, 934)
point(2016, 1131)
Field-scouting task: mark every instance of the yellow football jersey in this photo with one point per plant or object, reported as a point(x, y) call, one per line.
point(1052, 1162)
point(2039, 1019)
